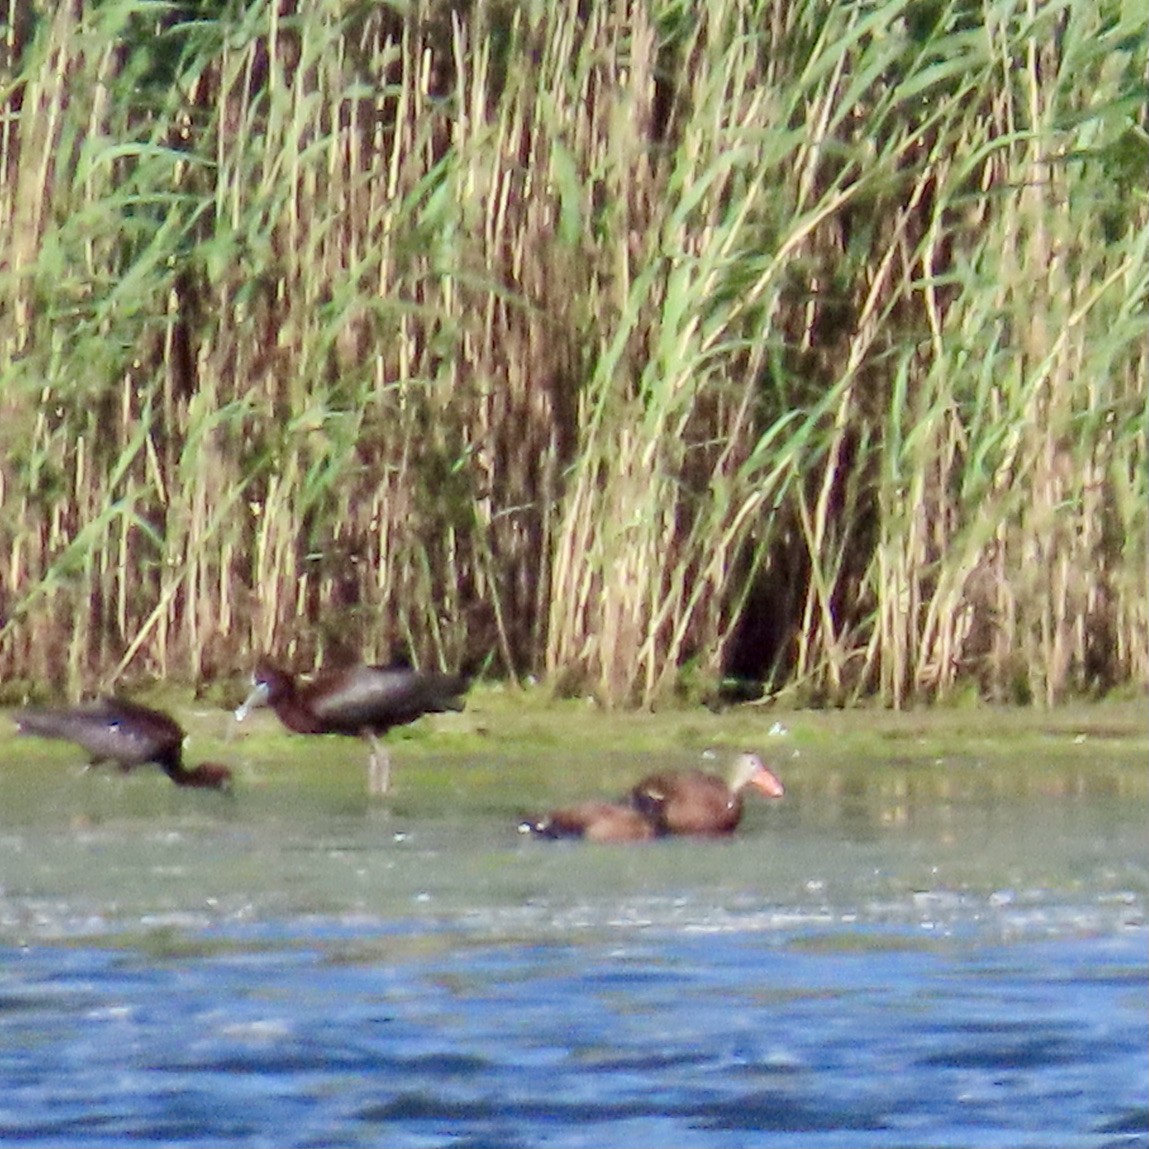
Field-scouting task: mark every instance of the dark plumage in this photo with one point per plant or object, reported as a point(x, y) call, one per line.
point(115, 730)
point(365, 701)
point(693, 802)
point(594, 822)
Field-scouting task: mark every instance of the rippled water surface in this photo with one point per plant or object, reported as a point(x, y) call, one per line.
point(925, 954)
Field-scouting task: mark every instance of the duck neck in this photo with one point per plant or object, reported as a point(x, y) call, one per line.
point(296, 715)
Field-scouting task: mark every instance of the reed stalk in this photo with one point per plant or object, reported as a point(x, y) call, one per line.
point(632, 346)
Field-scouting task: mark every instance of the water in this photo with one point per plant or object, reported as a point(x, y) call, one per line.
point(887, 958)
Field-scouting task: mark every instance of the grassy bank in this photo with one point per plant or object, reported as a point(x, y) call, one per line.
point(628, 347)
point(514, 750)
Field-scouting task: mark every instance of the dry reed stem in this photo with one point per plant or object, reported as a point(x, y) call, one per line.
point(548, 334)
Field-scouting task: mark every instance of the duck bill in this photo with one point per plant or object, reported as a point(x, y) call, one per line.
point(256, 699)
point(765, 780)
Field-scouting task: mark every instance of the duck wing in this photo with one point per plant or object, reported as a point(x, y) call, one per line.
point(379, 697)
point(111, 729)
point(687, 802)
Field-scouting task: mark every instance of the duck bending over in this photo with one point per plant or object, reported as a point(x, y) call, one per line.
point(127, 733)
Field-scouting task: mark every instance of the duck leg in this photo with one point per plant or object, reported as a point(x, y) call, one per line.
point(379, 770)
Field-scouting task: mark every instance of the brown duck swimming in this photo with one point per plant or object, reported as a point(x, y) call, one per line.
point(364, 701)
point(694, 802)
point(115, 730)
point(593, 822)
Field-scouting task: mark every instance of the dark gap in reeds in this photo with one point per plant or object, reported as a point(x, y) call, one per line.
point(633, 346)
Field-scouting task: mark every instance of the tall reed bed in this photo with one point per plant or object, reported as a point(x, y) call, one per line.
point(630, 345)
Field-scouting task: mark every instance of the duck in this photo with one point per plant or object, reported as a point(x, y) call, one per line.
point(127, 733)
point(593, 822)
point(357, 700)
point(696, 802)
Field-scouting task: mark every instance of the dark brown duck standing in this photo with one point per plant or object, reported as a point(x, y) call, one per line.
point(115, 730)
point(593, 822)
point(694, 802)
point(365, 701)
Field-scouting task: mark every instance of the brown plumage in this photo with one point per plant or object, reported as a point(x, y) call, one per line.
point(115, 730)
point(694, 802)
point(593, 822)
point(363, 701)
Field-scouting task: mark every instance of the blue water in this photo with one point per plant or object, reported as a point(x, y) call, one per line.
point(637, 1036)
point(294, 968)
